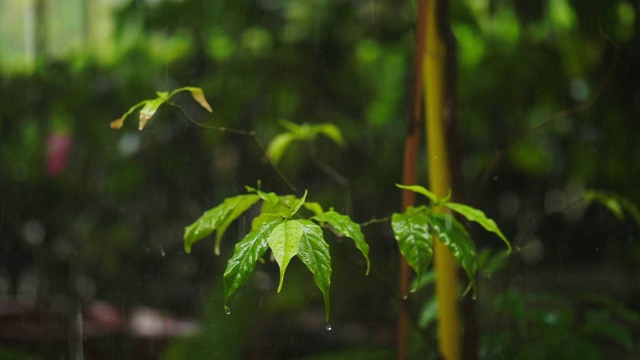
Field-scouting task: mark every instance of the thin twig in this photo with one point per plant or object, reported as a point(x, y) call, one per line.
point(251, 134)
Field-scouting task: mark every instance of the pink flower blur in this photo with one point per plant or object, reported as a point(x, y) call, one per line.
point(58, 146)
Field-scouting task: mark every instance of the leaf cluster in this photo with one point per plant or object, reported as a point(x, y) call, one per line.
point(150, 106)
point(417, 228)
point(278, 227)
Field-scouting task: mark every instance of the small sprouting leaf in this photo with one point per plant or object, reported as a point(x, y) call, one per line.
point(149, 109)
point(296, 206)
point(284, 242)
point(117, 124)
point(415, 241)
point(278, 145)
point(346, 227)
point(331, 131)
point(314, 253)
point(198, 95)
point(215, 218)
point(420, 190)
point(473, 214)
point(245, 255)
point(454, 236)
point(314, 207)
point(279, 205)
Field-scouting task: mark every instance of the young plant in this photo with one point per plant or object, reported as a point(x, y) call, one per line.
point(277, 228)
point(416, 228)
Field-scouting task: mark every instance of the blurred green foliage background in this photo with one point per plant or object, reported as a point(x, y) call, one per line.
point(90, 213)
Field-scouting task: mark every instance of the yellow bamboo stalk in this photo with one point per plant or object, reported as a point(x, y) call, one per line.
point(440, 183)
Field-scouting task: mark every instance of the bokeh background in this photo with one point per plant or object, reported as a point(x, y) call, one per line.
point(92, 263)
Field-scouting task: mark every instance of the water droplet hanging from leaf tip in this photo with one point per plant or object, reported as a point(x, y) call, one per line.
point(227, 310)
point(328, 327)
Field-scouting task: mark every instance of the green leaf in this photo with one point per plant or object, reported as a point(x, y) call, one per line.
point(243, 204)
point(420, 190)
point(331, 131)
point(284, 242)
point(245, 255)
point(296, 206)
point(293, 128)
point(314, 207)
point(278, 145)
point(280, 205)
point(454, 236)
point(346, 227)
point(473, 214)
point(415, 241)
point(148, 110)
point(216, 218)
point(314, 253)
point(615, 203)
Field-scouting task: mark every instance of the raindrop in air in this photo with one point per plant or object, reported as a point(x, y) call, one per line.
point(227, 310)
point(328, 327)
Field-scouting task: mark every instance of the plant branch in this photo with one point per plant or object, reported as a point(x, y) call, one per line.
point(251, 134)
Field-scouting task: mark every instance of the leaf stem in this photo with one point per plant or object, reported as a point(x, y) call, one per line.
point(251, 134)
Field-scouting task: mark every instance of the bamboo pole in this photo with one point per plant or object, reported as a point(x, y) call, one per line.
point(440, 183)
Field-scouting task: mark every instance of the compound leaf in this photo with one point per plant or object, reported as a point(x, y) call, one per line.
point(473, 214)
point(219, 216)
point(245, 255)
point(314, 253)
point(414, 237)
point(344, 226)
point(284, 242)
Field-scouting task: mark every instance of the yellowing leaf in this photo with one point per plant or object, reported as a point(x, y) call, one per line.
point(117, 124)
point(198, 95)
point(149, 109)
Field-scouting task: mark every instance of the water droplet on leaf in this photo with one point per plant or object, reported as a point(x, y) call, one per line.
point(328, 327)
point(227, 310)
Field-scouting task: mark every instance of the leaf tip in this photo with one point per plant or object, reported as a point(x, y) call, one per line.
point(198, 95)
point(117, 124)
